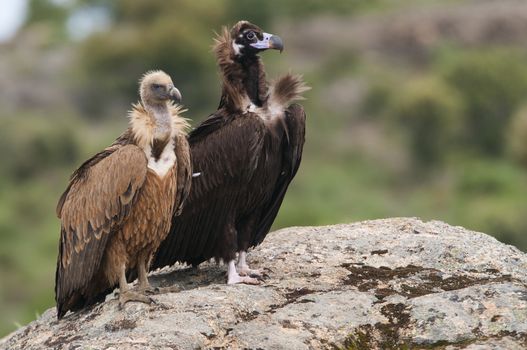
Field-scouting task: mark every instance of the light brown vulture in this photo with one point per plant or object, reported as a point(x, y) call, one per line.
point(247, 152)
point(118, 205)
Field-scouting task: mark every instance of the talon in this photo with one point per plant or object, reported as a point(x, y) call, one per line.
point(129, 296)
point(147, 290)
point(233, 277)
point(246, 271)
point(243, 268)
point(242, 279)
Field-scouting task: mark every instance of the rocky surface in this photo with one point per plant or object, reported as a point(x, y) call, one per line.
point(386, 284)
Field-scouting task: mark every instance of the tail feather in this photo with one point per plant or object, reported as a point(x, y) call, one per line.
point(76, 302)
point(83, 298)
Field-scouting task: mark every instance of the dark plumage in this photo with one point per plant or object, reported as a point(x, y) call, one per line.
point(247, 152)
point(118, 205)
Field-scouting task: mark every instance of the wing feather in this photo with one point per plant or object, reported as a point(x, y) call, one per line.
point(184, 172)
point(295, 120)
point(95, 204)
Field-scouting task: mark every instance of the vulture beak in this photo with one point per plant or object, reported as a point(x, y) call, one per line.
point(175, 95)
point(269, 41)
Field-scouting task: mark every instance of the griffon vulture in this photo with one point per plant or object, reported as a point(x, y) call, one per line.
point(247, 152)
point(119, 204)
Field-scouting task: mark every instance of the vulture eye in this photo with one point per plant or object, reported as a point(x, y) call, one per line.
point(156, 86)
point(250, 35)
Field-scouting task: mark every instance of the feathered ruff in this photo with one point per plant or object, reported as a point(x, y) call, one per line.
point(283, 92)
point(142, 124)
point(287, 89)
point(234, 93)
point(231, 76)
point(222, 48)
point(140, 133)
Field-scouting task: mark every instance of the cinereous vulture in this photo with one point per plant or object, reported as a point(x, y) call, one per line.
point(247, 153)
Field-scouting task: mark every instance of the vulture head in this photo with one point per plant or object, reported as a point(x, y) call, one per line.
point(248, 39)
point(156, 88)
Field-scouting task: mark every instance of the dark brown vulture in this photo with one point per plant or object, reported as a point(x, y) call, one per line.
point(247, 152)
point(118, 205)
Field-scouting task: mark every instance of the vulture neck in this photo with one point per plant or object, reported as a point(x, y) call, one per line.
point(153, 127)
point(154, 131)
point(162, 120)
point(254, 79)
point(244, 84)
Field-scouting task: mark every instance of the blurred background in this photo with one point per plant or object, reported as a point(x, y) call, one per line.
point(418, 108)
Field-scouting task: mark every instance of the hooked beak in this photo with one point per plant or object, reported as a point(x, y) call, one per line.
point(269, 41)
point(175, 95)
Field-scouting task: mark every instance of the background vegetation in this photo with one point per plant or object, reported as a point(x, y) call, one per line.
point(418, 108)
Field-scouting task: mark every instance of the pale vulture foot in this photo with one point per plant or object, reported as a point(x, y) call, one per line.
point(235, 278)
point(246, 271)
point(129, 295)
point(242, 279)
point(243, 268)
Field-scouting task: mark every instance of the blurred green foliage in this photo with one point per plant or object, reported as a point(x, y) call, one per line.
point(430, 113)
point(492, 84)
point(441, 136)
point(517, 136)
point(34, 145)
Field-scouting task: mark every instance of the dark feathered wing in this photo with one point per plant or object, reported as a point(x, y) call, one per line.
point(95, 204)
point(295, 120)
point(225, 150)
point(184, 172)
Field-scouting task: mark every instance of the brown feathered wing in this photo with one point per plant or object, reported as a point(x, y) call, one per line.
point(95, 204)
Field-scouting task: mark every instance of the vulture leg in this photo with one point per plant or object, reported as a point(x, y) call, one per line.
point(243, 268)
point(233, 277)
point(123, 284)
point(126, 295)
point(144, 285)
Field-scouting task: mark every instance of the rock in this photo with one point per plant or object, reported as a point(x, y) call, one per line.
point(384, 284)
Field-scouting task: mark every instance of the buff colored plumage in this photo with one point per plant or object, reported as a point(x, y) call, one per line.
point(119, 203)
